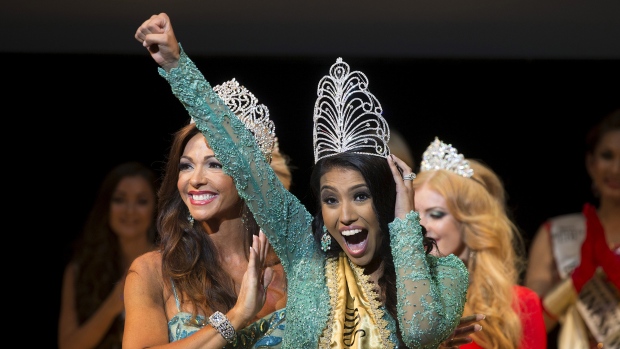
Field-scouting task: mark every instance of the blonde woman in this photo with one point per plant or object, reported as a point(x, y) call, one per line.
point(461, 205)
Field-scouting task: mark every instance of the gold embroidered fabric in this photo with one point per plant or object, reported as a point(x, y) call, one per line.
point(356, 320)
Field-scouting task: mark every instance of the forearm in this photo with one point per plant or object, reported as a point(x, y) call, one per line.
point(205, 338)
point(90, 333)
point(431, 292)
point(557, 301)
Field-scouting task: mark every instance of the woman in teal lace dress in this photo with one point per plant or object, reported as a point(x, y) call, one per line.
point(177, 296)
point(359, 272)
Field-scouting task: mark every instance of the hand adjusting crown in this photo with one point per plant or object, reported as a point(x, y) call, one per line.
point(347, 117)
point(255, 116)
point(440, 155)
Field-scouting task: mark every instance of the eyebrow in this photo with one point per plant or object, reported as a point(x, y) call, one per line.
point(355, 187)
point(190, 158)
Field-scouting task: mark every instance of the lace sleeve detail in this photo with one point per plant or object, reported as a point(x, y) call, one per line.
point(431, 291)
point(280, 214)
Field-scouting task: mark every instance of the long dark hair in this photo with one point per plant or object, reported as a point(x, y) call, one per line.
point(610, 122)
point(189, 257)
point(97, 254)
point(379, 179)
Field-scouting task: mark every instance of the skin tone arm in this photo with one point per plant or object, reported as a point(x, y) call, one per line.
point(539, 276)
point(404, 190)
point(157, 36)
point(87, 335)
point(540, 270)
point(146, 324)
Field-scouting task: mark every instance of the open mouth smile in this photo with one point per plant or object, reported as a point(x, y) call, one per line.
point(356, 241)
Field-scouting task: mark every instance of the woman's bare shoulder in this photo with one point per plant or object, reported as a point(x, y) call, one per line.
point(147, 265)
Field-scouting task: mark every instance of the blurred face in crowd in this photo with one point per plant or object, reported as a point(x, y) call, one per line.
point(604, 165)
point(132, 207)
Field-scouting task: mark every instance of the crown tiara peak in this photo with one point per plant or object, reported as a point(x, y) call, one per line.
point(442, 156)
point(347, 117)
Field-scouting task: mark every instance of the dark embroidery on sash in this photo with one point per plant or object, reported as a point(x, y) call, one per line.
point(564, 233)
point(351, 321)
point(599, 307)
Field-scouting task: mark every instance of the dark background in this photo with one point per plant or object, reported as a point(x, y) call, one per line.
point(573, 29)
point(514, 84)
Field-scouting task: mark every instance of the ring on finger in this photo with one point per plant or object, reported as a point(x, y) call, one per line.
point(409, 177)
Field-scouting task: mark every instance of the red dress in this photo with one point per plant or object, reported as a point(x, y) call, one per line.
point(532, 322)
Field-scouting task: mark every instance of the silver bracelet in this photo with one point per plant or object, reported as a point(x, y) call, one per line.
point(220, 322)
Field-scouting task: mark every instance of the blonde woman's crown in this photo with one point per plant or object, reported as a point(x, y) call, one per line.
point(440, 155)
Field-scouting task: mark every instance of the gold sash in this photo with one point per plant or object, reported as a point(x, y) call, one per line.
point(599, 307)
point(594, 312)
point(356, 320)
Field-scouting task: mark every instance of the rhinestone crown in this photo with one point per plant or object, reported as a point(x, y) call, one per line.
point(347, 117)
point(255, 116)
point(440, 155)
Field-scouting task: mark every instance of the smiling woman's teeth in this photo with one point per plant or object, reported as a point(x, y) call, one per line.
point(202, 197)
point(351, 232)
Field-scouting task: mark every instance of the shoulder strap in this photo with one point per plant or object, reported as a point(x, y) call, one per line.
point(176, 298)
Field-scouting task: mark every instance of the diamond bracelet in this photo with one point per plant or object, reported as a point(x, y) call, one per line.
point(220, 322)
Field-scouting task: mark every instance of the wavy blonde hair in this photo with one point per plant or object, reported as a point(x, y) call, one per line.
point(280, 163)
point(496, 261)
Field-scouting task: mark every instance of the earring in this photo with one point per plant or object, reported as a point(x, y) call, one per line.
point(471, 262)
point(326, 240)
point(190, 219)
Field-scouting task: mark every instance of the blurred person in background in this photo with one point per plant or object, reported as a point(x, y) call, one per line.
point(574, 259)
point(119, 227)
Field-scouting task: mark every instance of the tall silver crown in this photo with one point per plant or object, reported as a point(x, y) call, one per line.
point(440, 155)
point(255, 116)
point(347, 117)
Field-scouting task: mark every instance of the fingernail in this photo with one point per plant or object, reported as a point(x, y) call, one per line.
point(477, 328)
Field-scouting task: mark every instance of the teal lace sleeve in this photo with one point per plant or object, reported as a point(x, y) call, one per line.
point(431, 291)
point(283, 218)
point(275, 209)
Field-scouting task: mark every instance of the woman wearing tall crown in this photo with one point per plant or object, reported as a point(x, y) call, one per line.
point(359, 272)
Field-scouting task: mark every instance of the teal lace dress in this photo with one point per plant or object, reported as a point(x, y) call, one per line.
point(431, 291)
